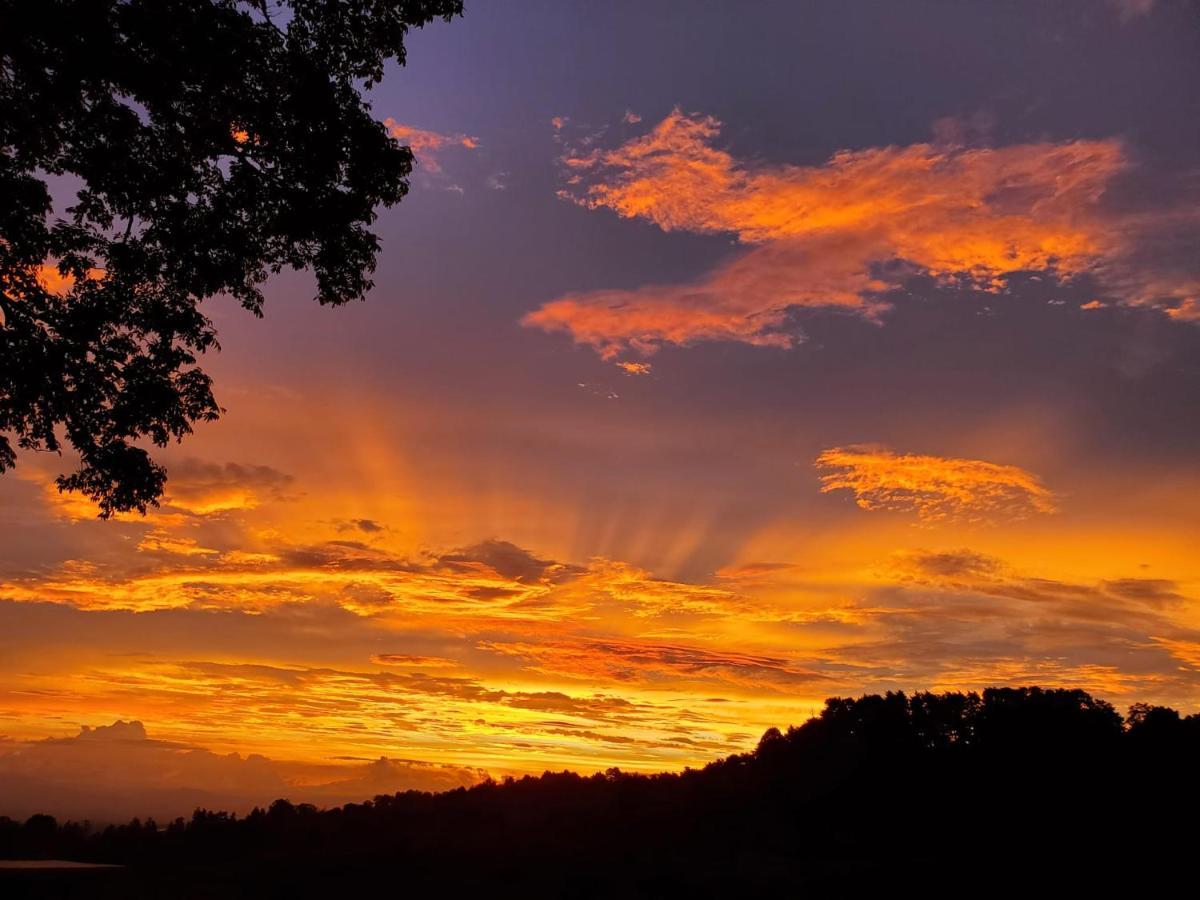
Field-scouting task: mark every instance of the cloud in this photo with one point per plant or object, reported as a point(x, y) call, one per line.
point(195, 489)
point(754, 573)
point(506, 559)
point(749, 300)
point(951, 564)
point(1186, 652)
point(934, 487)
point(354, 577)
point(445, 657)
point(416, 662)
point(641, 661)
point(345, 711)
point(371, 527)
point(635, 591)
point(953, 210)
point(959, 619)
point(831, 236)
point(161, 541)
point(428, 146)
point(114, 772)
point(634, 368)
point(389, 776)
point(51, 278)
point(492, 577)
point(117, 731)
point(1187, 311)
point(1118, 601)
point(206, 488)
point(1155, 592)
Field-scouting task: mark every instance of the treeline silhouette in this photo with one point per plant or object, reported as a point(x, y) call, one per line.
point(952, 793)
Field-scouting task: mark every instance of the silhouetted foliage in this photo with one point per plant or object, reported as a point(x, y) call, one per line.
point(212, 143)
point(951, 793)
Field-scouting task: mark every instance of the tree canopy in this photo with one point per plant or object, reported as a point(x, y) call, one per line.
point(208, 144)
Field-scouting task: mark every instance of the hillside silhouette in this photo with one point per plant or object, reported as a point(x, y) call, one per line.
point(953, 793)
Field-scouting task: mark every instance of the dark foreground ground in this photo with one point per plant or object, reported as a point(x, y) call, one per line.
point(950, 795)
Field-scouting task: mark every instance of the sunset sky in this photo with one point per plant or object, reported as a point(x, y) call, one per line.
point(724, 357)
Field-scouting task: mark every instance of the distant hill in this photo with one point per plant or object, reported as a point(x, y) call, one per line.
point(949, 794)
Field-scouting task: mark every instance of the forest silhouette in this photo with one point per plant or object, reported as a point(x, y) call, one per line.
point(951, 793)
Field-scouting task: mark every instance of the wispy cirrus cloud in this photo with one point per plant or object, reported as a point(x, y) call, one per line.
point(1124, 600)
point(648, 660)
point(428, 146)
point(829, 236)
point(933, 487)
point(748, 300)
point(410, 660)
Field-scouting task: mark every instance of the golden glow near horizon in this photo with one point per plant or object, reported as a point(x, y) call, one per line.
point(230, 620)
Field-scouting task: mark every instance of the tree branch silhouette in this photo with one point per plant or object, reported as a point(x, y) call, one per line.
point(230, 147)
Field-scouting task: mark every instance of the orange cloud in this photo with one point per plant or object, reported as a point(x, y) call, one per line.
point(1010, 208)
point(353, 577)
point(823, 235)
point(965, 570)
point(492, 656)
point(242, 136)
point(194, 488)
point(1187, 652)
point(161, 541)
point(748, 300)
point(634, 660)
point(314, 714)
point(1186, 311)
point(413, 661)
point(205, 488)
point(50, 278)
point(316, 625)
point(634, 368)
point(933, 487)
point(427, 145)
point(54, 281)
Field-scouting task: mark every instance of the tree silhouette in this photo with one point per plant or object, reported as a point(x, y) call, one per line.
point(1025, 789)
point(211, 143)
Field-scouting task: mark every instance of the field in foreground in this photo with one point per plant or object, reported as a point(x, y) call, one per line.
point(1017, 788)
